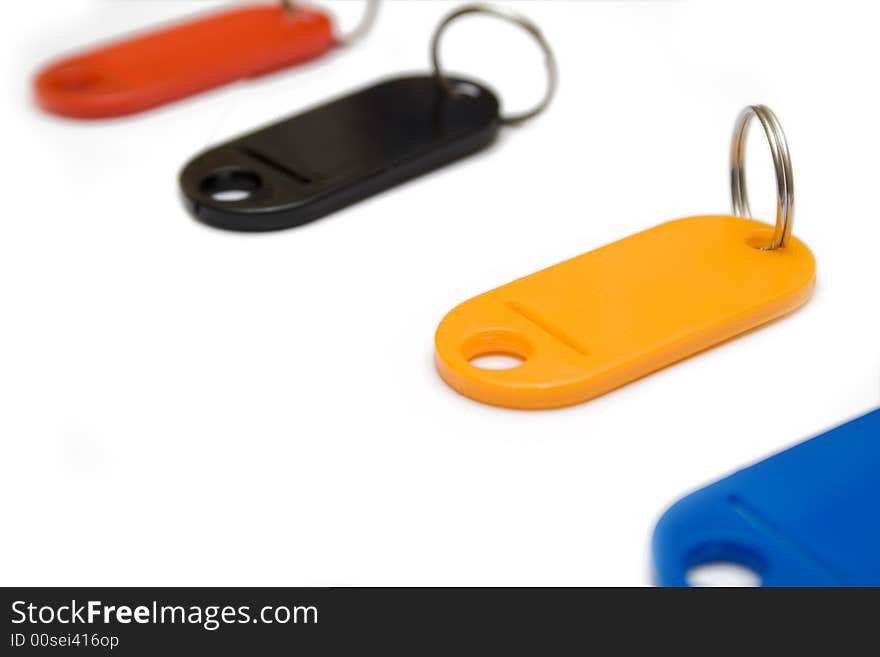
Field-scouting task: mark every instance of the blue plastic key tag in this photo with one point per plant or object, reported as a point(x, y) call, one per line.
point(808, 516)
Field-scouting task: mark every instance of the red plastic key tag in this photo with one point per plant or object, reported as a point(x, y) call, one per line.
point(165, 65)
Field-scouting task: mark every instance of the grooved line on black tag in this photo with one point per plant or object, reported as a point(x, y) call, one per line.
point(272, 164)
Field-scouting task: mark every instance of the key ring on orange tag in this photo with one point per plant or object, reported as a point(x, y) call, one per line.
point(320, 161)
point(601, 320)
point(168, 64)
point(781, 163)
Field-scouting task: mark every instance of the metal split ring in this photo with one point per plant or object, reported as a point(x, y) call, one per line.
point(516, 19)
point(781, 162)
point(355, 34)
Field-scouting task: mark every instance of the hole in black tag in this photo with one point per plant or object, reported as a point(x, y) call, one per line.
point(231, 185)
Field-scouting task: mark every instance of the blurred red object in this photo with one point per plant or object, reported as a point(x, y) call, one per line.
point(149, 70)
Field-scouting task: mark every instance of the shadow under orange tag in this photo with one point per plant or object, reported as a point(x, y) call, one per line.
point(165, 65)
point(603, 319)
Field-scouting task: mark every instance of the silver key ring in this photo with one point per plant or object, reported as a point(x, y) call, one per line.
point(358, 32)
point(781, 162)
point(516, 19)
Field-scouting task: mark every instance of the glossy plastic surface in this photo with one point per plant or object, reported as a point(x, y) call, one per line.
point(168, 64)
point(315, 163)
point(808, 516)
point(608, 317)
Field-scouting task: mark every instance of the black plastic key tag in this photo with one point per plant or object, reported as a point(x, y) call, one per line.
point(318, 162)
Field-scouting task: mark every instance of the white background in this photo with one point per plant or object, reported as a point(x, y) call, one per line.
point(185, 406)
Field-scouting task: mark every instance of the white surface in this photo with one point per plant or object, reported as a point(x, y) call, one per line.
point(186, 406)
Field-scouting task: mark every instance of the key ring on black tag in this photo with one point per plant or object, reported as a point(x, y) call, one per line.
point(325, 159)
point(781, 163)
point(516, 19)
point(368, 19)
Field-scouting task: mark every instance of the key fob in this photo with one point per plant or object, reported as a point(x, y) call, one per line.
point(167, 64)
point(320, 161)
point(807, 516)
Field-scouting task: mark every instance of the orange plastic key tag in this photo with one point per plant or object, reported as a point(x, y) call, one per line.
point(168, 64)
point(603, 319)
